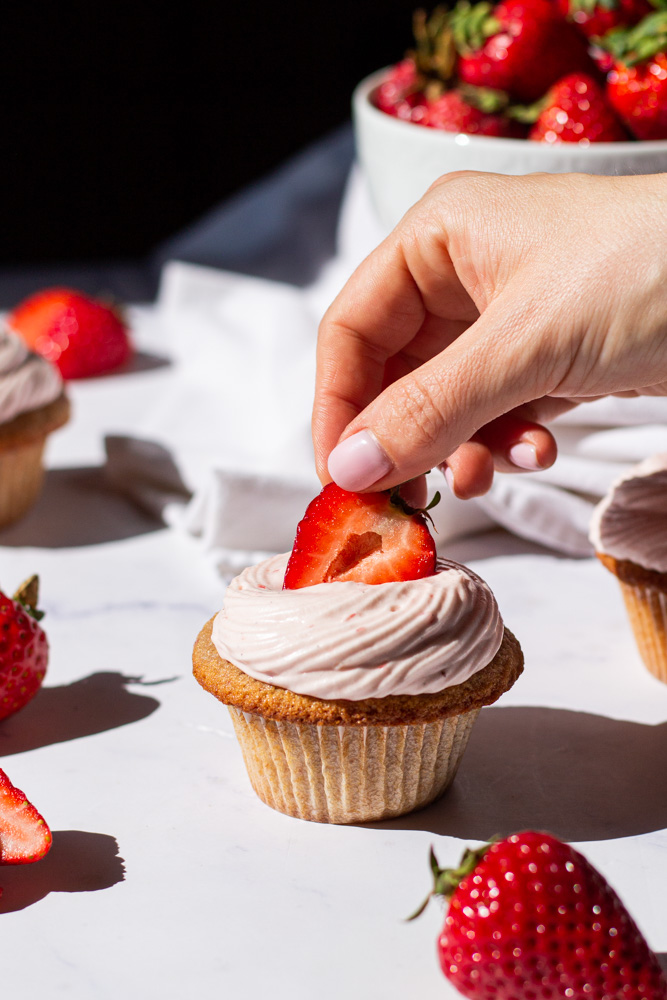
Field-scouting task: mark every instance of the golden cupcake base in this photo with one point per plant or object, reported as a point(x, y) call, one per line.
point(351, 762)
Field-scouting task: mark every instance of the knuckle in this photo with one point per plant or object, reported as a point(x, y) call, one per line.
point(451, 178)
point(421, 413)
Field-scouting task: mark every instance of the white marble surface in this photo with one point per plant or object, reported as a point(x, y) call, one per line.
point(168, 878)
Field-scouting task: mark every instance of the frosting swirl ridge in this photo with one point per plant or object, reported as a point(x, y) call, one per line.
point(27, 381)
point(631, 521)
point(354, 640)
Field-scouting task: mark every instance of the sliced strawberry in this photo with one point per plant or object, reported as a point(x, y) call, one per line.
point(24, 835)
point(368, 537)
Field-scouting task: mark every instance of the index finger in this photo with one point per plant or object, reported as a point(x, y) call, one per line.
point(380, 310)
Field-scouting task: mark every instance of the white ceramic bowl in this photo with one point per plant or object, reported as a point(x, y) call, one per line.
point(401, 159)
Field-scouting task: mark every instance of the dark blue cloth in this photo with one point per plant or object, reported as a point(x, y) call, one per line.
point(282, 227)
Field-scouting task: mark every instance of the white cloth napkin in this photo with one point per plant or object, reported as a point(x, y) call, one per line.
point(238, 416)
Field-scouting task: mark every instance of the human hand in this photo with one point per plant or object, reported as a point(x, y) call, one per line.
point(497, 303)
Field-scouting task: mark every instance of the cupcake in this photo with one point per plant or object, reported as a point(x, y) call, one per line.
point(629, 534)
point(354, 701)
point(32, 404)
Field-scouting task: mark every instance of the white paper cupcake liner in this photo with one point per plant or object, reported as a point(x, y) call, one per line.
point(350, 774)
point(647, 611)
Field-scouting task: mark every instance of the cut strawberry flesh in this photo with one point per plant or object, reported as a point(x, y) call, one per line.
point(356, 548)
point(24, 835)
point(359, 536)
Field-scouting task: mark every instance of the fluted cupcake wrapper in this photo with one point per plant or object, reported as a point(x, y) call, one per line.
point(647, 611)
point(350, 774)
point(21, 476)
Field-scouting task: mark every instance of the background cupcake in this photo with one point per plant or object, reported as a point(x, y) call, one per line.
point(32, 404)
point(629, 534)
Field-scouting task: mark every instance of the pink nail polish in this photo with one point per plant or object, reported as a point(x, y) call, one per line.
point(449, 476)
point(358, 462)
point(524, 456)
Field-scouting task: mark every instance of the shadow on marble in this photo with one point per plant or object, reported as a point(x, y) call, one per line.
point(577, 775)
point(94, 704)
point(78, 507)
point(662, 958)
point(144, 472)
point(141, 361)
point(494, 543)
point(77, 862)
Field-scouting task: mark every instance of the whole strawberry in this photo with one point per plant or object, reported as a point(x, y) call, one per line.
point(424, 73)
point(367, 537)
point(577, 110)
point(399, 91)
point(529, 917)
point(80, 335)
point(24, 649)
point(519, 46)
point(474, 111)
point(637, 81)
point(596, 17)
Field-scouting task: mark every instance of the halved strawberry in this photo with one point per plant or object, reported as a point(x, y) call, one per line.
point(367, 537)
point(24, 835)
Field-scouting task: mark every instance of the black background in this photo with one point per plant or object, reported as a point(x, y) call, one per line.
point(120, 124)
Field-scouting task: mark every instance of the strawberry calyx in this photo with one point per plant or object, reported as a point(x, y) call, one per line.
point(528, 114)
point(631, 46)
point(434, 54)
point(396, 500)
point(471, 25)
point(485, 99)
point(447, 880)
point(27, 595)
point(589, 6)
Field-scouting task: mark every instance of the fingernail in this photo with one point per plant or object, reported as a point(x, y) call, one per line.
point(449, 476)
point(524, 456)
point(358, 462)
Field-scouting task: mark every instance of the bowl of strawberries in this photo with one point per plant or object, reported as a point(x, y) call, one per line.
point(516, 87)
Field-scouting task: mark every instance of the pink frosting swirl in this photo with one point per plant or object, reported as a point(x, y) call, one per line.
point(631, 521)
point(352, 640)
point(27, 381)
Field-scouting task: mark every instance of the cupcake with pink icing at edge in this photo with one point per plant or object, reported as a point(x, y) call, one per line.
point(354, 701)
point(32, 405)
point(629, 534)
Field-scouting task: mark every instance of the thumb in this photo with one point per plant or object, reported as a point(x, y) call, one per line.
point(506, 358)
